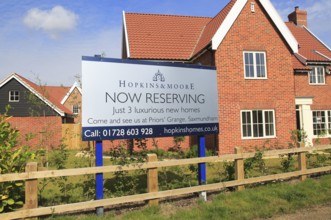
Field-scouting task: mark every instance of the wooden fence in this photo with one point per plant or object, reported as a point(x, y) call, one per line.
point(31, 175)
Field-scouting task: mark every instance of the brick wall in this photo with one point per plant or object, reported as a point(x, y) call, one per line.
point(207, 58)
point(46, 131)
point(320, 94)
point(254, 32)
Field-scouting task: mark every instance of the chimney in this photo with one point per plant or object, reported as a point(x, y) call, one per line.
point(298, 17)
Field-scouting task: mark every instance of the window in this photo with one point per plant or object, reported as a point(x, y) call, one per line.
point(257, 124)
point(317, 75)
point(322, 123)
point(75, 109)
point(255, 65)
point(14, 96)
point(252, 7)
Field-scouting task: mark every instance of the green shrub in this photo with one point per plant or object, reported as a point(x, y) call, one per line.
point(13, 159)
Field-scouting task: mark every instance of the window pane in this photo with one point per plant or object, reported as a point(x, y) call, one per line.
point(320, 74)
point(247, 71)
point(255, 117)
point(251, 61)
point(257, 123)
point(255, 130)
point(260, 67)
point(246, 58)
point(312, 77)
point(249, 65)
point(258, 62)
point(269, 123)
point(246, 124)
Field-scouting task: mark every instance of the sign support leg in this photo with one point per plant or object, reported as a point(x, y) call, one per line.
point(99, 176)
point(202, 166)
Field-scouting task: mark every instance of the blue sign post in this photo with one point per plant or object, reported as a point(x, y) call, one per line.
point(99, 176)
point(202, 174)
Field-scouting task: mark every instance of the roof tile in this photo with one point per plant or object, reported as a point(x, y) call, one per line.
point(153, 36)
point(212, 27)
point(309, 46)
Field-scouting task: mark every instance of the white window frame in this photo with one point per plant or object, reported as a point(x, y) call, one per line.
point(255, 65)
point(314, 71)
point(252, 124)
point(15, 96)
point(327, 123)
point(78, 109)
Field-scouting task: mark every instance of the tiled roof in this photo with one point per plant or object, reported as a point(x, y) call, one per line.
point(52, 95)
point(211, 28)
point(56, 94)
point(310, 47)
point(153, 36)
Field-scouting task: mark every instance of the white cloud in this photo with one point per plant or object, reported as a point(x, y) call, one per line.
point(53, 21)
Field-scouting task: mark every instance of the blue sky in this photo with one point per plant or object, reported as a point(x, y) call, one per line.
point(44, 40)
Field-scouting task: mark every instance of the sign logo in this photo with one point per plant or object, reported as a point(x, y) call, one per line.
point(158, 77)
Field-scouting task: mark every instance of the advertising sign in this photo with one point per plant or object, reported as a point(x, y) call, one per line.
point(125, 99)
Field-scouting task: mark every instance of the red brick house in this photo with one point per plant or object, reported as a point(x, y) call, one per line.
point(266, 69)
point(39, 111)
point(312, 65)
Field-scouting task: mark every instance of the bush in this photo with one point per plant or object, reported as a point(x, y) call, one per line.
point(12, 160)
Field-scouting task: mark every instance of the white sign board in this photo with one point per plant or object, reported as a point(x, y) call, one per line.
point(137, 99)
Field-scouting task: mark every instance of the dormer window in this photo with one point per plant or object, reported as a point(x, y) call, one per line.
point(14, 96)
point(317, 75)
point(255, 65)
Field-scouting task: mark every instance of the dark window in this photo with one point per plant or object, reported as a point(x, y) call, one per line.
point(14, 96)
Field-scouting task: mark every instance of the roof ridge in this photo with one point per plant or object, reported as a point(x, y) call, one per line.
point(198, 40)
point(312, 34)
point(321, 54)
point(61, 86)
point(168, 15)
point(231, 2)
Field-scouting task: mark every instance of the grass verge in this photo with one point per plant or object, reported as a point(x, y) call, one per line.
point(256, 202)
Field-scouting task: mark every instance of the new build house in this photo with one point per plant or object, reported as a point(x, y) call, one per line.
point(40, 111)
point(273, 76)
